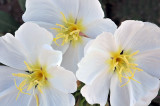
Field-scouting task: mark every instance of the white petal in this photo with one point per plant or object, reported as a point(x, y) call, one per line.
point(73, 55)
point(134, 93)
point(62, 79)
point(88, 45)
point(49, 56)
point(49, 10)
point(12, 53)
point(127, 31)
point(96, 27)
point(90, 10)
point(69, 8)
point(59, 47)
point(32, 101)
point(137, 35)
point(6, 78)
point(42, 11)
point(149, 62)
point(91, 66)
point(33, 37)
point(8, 98)
point(49, 27)
point(8, 90)
point(53, 97)
point(97, 92)
point(119, 96)
point(104, 43)
point(95, 58)
point(147, 38)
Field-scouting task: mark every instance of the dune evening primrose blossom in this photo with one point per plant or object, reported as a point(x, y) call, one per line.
point(33, 75)
point(126, 64)
point(72, 22)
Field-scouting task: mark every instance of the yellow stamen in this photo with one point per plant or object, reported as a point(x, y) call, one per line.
point(123, 63)
point(28, 67)
point(37, 99)
point(20, 88)
point(64, 18)
point(40, 90)
point(21, 75)
point(35, 77)
point(69, 31)
point(30, 86)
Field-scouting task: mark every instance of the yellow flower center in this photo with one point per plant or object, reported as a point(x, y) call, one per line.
point(122, 62)
point(70, 31)
point(36, 77)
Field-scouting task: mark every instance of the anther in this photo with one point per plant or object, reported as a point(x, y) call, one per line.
point(121, 52)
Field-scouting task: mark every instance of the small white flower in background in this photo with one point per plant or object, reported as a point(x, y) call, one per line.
point(126, 64)
point(33, 76)
point(72, 22)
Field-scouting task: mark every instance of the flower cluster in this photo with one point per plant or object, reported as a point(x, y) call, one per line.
point(64, 42)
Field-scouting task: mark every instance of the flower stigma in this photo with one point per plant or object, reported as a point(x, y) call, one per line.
point(70, 31)
point(36, 77)
point(122, 62)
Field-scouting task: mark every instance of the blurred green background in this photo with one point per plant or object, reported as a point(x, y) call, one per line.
point(118, 10)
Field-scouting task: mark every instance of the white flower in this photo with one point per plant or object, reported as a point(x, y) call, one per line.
point(72, 22)
point(127, 64)
point(34, 76)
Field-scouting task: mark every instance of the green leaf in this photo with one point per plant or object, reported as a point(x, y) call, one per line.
point(22, 4)
point(7, 23)
point(1, 34)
